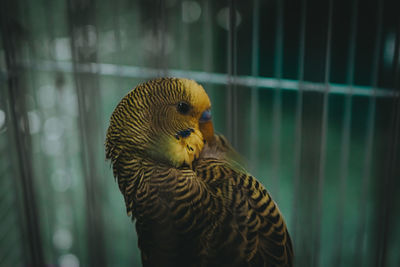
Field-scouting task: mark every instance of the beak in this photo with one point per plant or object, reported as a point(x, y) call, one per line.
point(206, 126)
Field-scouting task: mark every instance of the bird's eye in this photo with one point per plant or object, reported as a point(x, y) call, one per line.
point(183, 108)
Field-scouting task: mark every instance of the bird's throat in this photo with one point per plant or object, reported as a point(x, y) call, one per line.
point(184, 150)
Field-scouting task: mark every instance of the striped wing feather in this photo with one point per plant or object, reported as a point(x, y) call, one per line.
point(254, 216)
point(215, 215)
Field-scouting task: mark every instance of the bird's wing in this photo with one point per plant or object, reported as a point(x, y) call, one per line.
point(255, 222)
point(255, 213)
point(268, 240)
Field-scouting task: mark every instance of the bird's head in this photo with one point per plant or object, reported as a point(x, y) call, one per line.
point(166, 119)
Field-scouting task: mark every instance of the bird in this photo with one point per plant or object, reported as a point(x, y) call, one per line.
point(184, 186)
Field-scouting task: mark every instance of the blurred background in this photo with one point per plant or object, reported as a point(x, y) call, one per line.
point(307, 91)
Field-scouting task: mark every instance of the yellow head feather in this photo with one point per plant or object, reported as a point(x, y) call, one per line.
point(148, 122)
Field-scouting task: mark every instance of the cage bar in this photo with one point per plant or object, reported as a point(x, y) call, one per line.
point(324, 125)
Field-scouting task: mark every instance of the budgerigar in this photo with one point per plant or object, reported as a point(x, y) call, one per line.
point(192, 202)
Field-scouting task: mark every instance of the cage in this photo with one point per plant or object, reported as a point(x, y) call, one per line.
point(307, 91)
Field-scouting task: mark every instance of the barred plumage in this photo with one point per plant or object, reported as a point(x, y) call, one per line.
point(193, 204)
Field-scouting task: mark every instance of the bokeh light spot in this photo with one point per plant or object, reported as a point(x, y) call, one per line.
point(2, 119)
point(62, 239)
point(53, 128)
point(68, 260)
point(191, 11)
point(61, 180)
point(223, 18)
point(34, 121)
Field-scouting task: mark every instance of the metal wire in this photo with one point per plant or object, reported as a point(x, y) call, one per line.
point(346, 141)
point(206, 77)
point(396, 59)
point(277, 102)
point(89, 108)
point(208, 37)
point(161, 31)
point(231, 110)
point(20, 127)
point(298, 131)
point(184, 42)
point(324, 125)
point(385, 223)
point(360, 237)
point(254, 89)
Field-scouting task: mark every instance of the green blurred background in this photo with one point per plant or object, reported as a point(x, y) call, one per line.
point(307, 91)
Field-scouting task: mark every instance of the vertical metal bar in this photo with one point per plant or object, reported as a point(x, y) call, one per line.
point(31, 215)
point(10, 23)
point(324, 125)
point(114, 6)
point(17, 220)
point(208, 37)
point(208, 54)
point(299, 114)
point(159, 28)
point(235, 120)
point(162, 35)
point(389, 186)
point(49, 16)
point(346, 142)
point(254, 90)
point(385, 223)
point(396, 59)
point(277, 104)
point(184, 40)
point(231, 92)
point(228, 116)
point(81, 14)
point(360, 236)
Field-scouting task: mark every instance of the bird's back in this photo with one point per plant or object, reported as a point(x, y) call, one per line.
point(216, 215)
